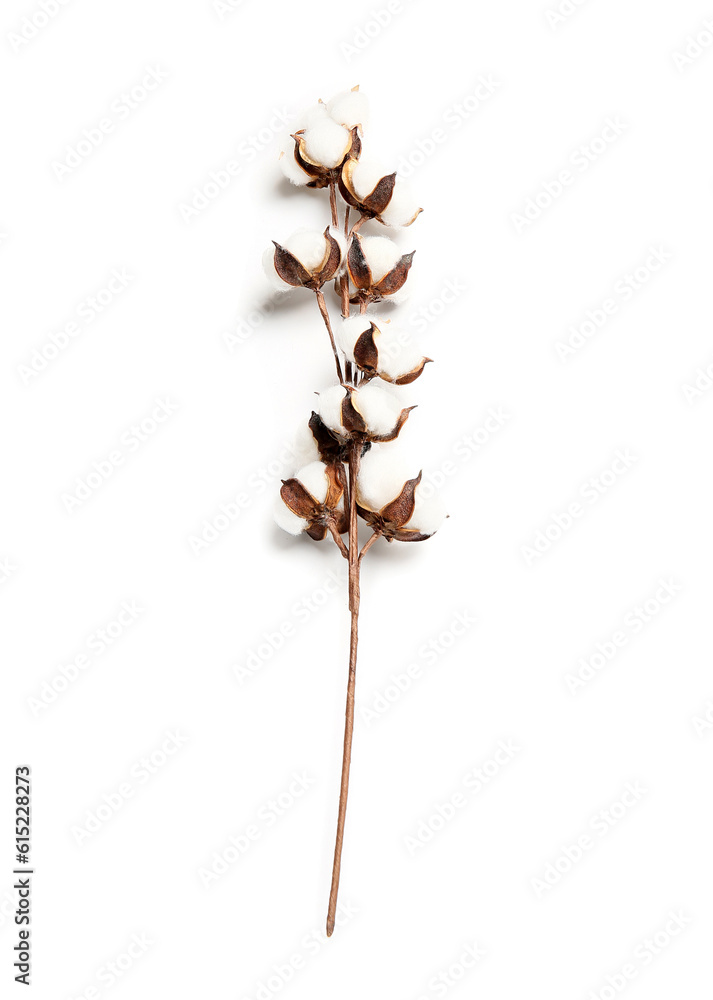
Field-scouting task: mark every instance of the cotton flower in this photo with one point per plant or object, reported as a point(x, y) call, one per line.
point(311, 500)
point(376, 267)
point(392, 505)
point(375, 194)
point(368, 413)
point(328, 134)
point(377, 348)
point(308, 258)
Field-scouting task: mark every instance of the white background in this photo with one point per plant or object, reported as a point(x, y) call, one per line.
point(187, 329)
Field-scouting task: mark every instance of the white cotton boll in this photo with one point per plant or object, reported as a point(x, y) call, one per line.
point(312, 116)
point(381, 254)
point(378, 406)
point(291, 168)
point(349, 108)
point(397, 356)
point(330, 408)
point(402, 207)
point(287, 519)
point(382, 475)
point(268, 263)
point(309, 247)
point(349, 331)
point(429, 511)
point(365, 175)
point(314, 479)
point(304, 448)
point(326, 143)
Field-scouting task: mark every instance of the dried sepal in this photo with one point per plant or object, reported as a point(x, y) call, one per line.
point(361, 273)
point(366, 353)
point(317, 514)
point(392, 435)
point(408, 377)
point(359, 270)
point(396, 278)
point(289, 268)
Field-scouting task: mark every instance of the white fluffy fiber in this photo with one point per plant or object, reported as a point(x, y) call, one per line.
point(304, 447)
point(402, 207)
point(365, 175)
point(330, 408)
point(291, 168)
point(382, 474)
point(381, 254)
point(429, 511)
point(314, 479)
point(349, 331)
point(397, 354)
point(379, 407)
point(326, 143)
point(349, 108)
point(309, 247)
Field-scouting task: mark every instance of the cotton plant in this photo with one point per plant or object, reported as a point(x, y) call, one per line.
point(350, 469)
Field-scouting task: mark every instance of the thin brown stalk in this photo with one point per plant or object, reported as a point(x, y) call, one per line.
point(368, 545)
point(354, 458)
point(325, 316)
point(338, 539)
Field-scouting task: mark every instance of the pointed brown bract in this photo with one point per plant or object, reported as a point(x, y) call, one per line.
point(329, 447)
point(332, 261)
point(396, 277)
point(392, 435)
point(289, 268)
point(366, 353)
point(400, 511)
point(352, 419)
point(359, 270)
point(297, 498)
point(408, 377)
point(380, 197)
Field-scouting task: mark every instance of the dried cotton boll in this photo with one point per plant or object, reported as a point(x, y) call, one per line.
point(287, 519)
point(397, 356)
point(308, 246)
point(381, 254)
point(402, 208)
point(291, 168)
point(330, 409)
point(429, 512)
point(349, 331)
point(349, 108)
point(378, 406)
point(314, 479)
point(382, 474)
point(365, 174)
point(326, 143)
